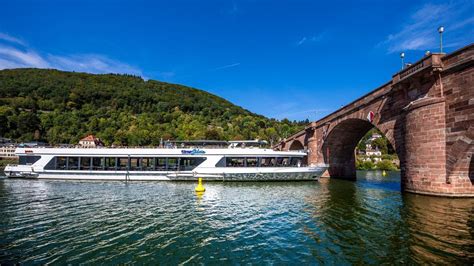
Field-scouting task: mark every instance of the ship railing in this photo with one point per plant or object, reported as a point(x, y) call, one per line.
point(141, 147)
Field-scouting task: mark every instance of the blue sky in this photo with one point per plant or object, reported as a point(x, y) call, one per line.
point(295, 59)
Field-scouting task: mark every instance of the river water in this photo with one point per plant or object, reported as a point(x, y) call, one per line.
point(327, 222)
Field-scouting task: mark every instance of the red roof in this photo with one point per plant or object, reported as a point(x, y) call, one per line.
point(93, 138)
point(89, 138)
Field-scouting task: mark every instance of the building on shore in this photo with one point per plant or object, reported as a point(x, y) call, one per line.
point(374, 137)
point(7, 148)
point(8, 151)
point(90, 141)
point(373, 152)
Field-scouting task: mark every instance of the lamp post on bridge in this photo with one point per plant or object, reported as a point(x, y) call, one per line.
point(441, 30)
point(402, 56)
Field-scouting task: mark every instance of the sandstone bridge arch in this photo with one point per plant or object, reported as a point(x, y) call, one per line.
point(426, 111)
point(296, 145)
point(338, 148)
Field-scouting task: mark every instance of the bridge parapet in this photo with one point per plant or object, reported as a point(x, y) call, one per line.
point(431, 62)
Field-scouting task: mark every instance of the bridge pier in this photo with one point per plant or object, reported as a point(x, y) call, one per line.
point(343, 170)
point(424, 166)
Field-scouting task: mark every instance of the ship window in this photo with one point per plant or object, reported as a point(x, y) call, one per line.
point(51, 165)
point(135, 164)
point(282, 161)
point(160, 164)
point(221, 162)
point(235, 162)
point(73, 163)
point(148, 164)
point(122, 163)
point(252, 162)
point(85, 163)
point(110, 163)
point(28, 159)
point(97, 163)
point(61, 163)
point(295, 161)
point(172, 164)
point(267, 162)
point(188, 164)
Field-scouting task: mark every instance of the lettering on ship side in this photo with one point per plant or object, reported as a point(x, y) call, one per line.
point(193, 151)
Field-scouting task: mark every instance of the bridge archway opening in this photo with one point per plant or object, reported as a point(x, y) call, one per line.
point(339, 148)
point(296, 145)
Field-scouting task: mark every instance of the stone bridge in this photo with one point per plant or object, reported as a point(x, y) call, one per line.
point(427, 113)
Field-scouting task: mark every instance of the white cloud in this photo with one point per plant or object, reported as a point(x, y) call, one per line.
point(11, 39)
point(14, 57)
point(91, 63)
point(303, 40)
point(311, 39)
point(420, 31)
point(22, 57)
point(227, 66)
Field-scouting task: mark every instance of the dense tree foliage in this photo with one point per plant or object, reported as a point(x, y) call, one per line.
point(364, 164)
point(61, 107)
point(386, 165)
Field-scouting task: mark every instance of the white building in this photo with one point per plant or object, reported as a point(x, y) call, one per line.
point(374, 137)
point(91, 142)
point(7, 151)
point(375, 153)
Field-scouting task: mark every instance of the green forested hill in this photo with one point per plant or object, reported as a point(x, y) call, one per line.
point(61, 107)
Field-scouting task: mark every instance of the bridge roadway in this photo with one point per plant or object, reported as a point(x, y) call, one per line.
point(427, 113)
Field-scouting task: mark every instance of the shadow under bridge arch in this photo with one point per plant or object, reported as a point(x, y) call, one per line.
point(296, 145)
point(339, 147)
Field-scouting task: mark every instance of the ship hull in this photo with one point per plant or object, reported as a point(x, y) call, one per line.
point(298, 174)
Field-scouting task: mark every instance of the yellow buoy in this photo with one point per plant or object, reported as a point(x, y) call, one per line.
point(200, 187)
point(199, 195)
point(384, 173)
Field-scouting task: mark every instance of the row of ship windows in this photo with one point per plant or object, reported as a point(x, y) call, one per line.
point(157, 163)
point(125, 163)
point(263, 161)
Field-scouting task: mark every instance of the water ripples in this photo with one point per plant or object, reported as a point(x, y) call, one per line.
point(331, 221)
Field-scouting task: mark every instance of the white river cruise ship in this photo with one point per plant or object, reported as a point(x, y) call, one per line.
point(181, 161)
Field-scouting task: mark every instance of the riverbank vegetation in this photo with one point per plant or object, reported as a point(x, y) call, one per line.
point(4, 162)
point(369, 164)
point(62, 107)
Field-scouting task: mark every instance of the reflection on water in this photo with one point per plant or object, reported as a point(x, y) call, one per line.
point(331, 221)
point(441, 228)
